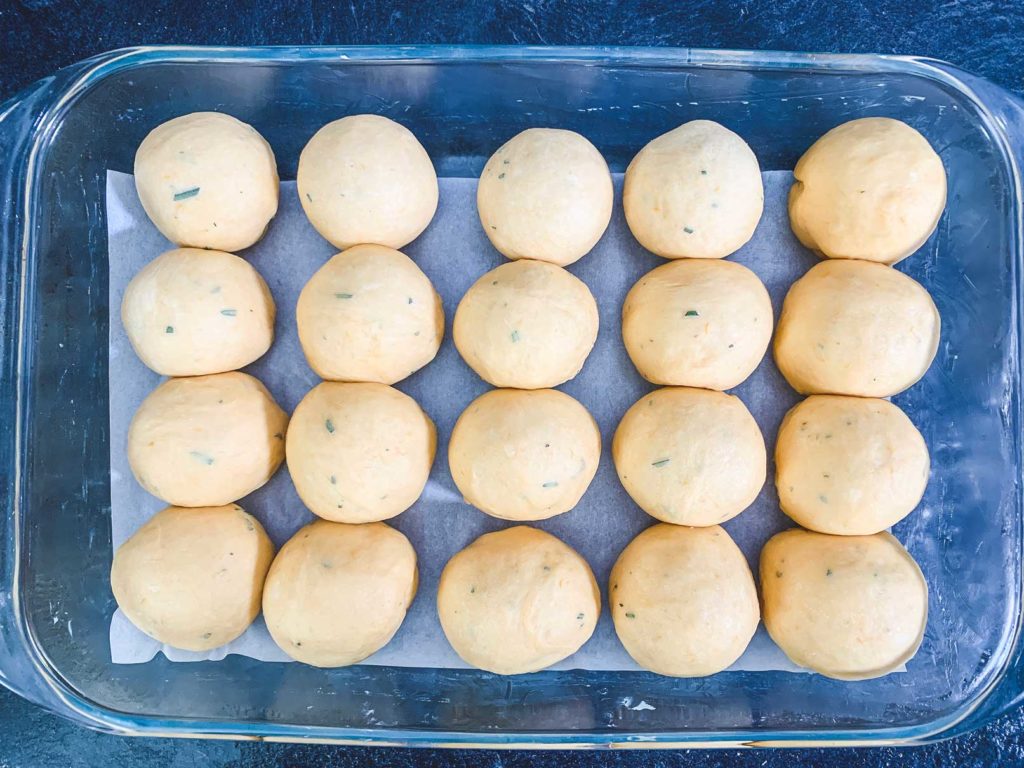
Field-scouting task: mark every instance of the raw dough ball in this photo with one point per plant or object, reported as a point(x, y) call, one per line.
point(690, 456)
point(683, 600)
point(366, 179)
point(849, 465)
point(694, 192)
point(369, 314)
point(869, 189)
point(849, 607)
point(856, 328)
point(190, 312)
point(517, 601)
point(524, 454)
point(527, 324)
point(359, 452)
point(206, 440)
point(207, 180)
point(192, 578)
point(697, 323)
point(547, 195)
point(338, 593)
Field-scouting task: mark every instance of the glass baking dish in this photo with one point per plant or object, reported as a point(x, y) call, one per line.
point(59, 137)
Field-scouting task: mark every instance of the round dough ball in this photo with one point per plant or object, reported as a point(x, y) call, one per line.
point(694, 192)
point(849, 465)
point(856, 328)
point(849, 607)
point(366, 179)
point(524, 454)
point(517, 601)
point(359, 452)
point(207, 180)
point(191, 312)
point(369, 314)
point(683, 600)
point(870, 189)
point(527, 324)
point(697, 324)
point(545, 194)
point(337, 593)
point(690, 456)
point(192, 578)
point(206, 440)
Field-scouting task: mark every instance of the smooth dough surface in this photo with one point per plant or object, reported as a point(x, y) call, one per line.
point(545, 194)
point(524, 454)
point(849, 607)
point(856, 328)
point(697, 323)
point(337, 593)
point(359, 452)
point(367, 179)
point(683, 600)
point(690, 456)
point(870, 189)
point(527, 324)
point(207, 180)
point(849, 465)
point(369, 314)
point(193, 577)
point(694, 192)
point(191, 312)
point(517, 601)
point(206, 440)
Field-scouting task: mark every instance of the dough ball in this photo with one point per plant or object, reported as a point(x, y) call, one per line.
point(369, 314)
point(547, 195)
point(856, 328)
point(517, 601)
point(697, 323)
point(207, 180)
point(683, 600)
point(870, 189)
point(524, 454)
point(206, 440)
point(192, 578)
point(849, 465)
point(366, 179)
point(337, 593)
point(359, 452)
point(690, 456)
point(191, 312)
point(849, 607)
point(527, 324)
point(694, 192)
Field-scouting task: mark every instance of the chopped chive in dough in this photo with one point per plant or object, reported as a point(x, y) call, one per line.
point(309, 197)
point(472, 590)
point(547, 567)
point(207, 635)
point(731, 346)
point(823, 498)
point(501, 175)
point(514, 336)
point(703, 172)
point(579, 617)
point(169, 329)
point(329, 425)
point(826, 475)
point(630, 615)
point(201, 457)
point(343, 295)
point(417, 333)
point(688, 230)
point(660, 462)
point(549, 484)
point(229, 312)
point(828, 572)
point(334, 480)
point(692, 313)
point(506, 161)
point(186, 194)
point(409, 301)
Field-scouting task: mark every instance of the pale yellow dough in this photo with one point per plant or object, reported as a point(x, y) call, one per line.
point(683, 600)
point(192, 578)
point(527, 324)
point(856, 328)
point(517, 601)
point(524, 454)
point(337, 593)
point(207, 180)
point(849, 607)
point(369, 314)
point(359, 452)
point(366, 179)
point(690, 456)
point(870, 189)
point(545, 194)
point(206, 440)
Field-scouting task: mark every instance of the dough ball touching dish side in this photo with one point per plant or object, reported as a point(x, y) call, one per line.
point(207, 180)
point(545, 194)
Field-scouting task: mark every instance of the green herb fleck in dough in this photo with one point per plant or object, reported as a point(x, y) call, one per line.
point(215, 289)
point(229, 312)
point(826, 475)
point(329, 425)
point(828, 572)
point(207, 635)
point(549, 484)
point(343, 295)
point(660, 462)
point(409, 301)
point(472, 590)
point(579, 617)
point(201, 457)
point(703, 172)
point(731, 346)
point(309, 197)
point(823, 499)
point(501, 175)
point(714, 205)
point(547, 567)
point(169, 329)
point(334, 480)
point(630, 615)
point(514, 336)
point(692, 313)
point(506, 161)
point(688, 230)
point(186, 194)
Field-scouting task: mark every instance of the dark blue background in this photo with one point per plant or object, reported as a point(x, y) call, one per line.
point(39, 36)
